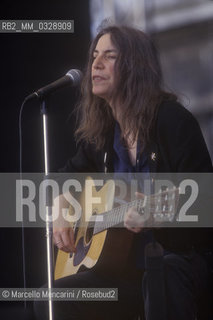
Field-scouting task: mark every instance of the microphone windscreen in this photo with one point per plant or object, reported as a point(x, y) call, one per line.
point(75, 75)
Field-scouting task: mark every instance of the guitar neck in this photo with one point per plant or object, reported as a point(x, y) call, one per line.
point(115, 216)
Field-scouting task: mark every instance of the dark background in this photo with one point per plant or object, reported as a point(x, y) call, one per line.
point(28, 62)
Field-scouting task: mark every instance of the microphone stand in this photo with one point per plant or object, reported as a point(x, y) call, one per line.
point(49, 227)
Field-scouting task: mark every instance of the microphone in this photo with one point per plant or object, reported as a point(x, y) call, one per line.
point(72, 78)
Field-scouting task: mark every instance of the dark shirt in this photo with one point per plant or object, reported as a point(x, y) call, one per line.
point(121, 157)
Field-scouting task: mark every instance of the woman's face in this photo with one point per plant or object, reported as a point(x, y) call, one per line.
point(102, 73)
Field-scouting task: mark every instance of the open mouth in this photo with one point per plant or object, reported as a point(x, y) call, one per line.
point(98, 78)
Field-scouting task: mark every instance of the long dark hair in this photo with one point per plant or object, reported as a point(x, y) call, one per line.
point(138, 84)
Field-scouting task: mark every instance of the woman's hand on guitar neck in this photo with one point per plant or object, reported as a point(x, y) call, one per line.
point(133, 221)
point(63, 233)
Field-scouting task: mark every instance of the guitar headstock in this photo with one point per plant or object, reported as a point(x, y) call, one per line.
point(159, 207)
point(163, 205)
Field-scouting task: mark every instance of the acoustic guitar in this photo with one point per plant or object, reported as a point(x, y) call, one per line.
point(102, 242)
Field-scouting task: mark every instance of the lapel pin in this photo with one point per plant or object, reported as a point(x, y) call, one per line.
point(153, 156)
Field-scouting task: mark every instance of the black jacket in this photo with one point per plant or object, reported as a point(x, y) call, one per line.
point(177, 146)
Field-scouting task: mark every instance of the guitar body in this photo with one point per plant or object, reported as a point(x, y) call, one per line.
point(105, 247)
point(107, 251)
